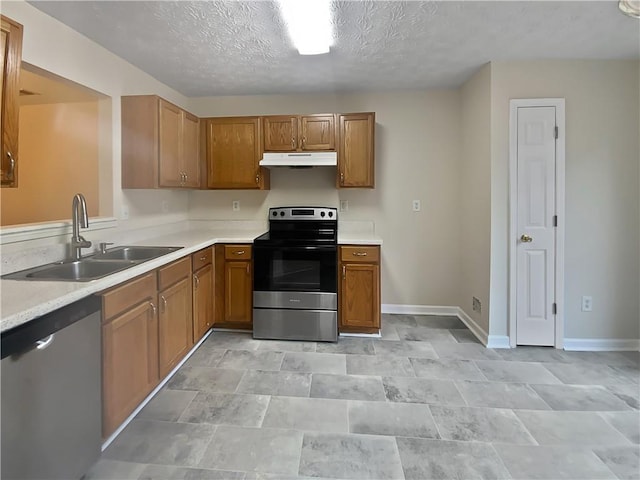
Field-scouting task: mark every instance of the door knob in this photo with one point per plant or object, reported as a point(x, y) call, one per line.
point(526, 238)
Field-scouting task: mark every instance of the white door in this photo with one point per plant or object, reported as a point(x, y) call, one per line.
point(536, 235)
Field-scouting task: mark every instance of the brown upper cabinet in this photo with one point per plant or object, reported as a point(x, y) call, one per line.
point(9, 100)
point(160, 144)
point(356, 150)
point(295, 133)
point(233, 153)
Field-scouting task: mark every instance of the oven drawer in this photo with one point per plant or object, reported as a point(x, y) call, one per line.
point(237, 252)
point(297, 300)
point(280, 324)
point(356, 253)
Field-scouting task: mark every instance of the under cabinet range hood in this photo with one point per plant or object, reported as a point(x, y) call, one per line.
point(300, 159)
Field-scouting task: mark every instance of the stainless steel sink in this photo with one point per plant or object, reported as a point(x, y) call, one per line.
point(76, 271)
point(135, 253)
point(92, 267)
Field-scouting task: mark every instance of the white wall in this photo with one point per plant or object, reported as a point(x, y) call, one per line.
point(417, 152)
point(475, 196)
point(53, 46)
point(602, 189)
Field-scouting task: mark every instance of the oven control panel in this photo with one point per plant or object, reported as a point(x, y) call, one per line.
point(303, 213)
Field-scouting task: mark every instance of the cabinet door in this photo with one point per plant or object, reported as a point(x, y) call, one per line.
point(190, 150)
point(318, 132)
point(175, 324)
point(280, 133)
point(360, 296)
point(130, 363)
point(170, 145)
point(9, 93)
point(233, 153)
point(356, 150)
point(202, 301)
point(238, 291)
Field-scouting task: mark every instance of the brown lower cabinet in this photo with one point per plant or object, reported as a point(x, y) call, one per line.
point(359, 289)
point(233, 298)
point(129, 348)
point(147, 329)
point(175, 300)
point(202, 292)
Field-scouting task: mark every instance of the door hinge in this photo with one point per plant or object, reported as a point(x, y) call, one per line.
point(555, 220)
point(555, 132)
point(554, 308)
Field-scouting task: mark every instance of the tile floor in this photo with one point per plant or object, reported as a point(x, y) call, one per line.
point(426, 401)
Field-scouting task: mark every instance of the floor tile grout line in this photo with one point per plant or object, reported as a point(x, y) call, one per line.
point(500, 459)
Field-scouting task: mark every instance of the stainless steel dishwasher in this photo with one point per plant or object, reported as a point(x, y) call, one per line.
point(50, 414)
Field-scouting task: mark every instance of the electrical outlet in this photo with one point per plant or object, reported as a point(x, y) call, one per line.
point(417, 205)
point(165, 206)
point(587, 303)
point(125, 212)
point(344, 205)
point(477, 306)
point(235, 205)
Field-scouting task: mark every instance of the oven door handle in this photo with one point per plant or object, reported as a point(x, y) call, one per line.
point(298, 248)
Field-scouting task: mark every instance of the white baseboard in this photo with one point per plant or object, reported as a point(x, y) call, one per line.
point(399, 309)
point(364, 335)
point(601, 344)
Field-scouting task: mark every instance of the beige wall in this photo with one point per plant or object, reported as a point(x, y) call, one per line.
point(602, 189)
point(53, 46)
point(475, 196)
point(58, 158)
point(417, 152)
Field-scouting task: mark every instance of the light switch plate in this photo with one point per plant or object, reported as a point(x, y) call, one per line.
point(344, 205)
point(417, 205)
point(235, 205)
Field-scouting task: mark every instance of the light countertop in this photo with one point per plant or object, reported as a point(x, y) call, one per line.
point(22, 301)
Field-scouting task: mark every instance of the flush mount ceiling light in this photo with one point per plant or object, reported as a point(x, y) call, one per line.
point(309, 24)
point(630, 7)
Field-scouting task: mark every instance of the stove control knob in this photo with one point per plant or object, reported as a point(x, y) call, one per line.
point(322, 214)
point(275, 214)
point(282, 214)
point(330, 214)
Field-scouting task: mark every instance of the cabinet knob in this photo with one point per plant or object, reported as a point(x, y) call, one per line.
point(202, 259)
point(258, 178)
point(341, 178)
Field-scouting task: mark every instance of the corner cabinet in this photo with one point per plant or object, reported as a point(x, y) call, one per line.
point(233, 298)
point(356, 151)
point(233, 150)
point(9, 100)
point(160, 144)
point(359, 289)
point(291, 133)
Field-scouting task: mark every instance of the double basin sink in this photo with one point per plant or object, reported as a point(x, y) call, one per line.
point(94, 266)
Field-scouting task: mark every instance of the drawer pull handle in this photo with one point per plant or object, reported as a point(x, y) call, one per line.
point(195, 277)
point(247, 269)
point(239, 252)
point(42, 344)
point(153, 308)
point(359, 254)
point(202, 259)
point(344, 272)
point(12, 168)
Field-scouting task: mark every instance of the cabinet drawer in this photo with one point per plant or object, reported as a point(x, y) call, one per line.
point(201, 258)
point(237, 252)
point(358, 253)
point(173, 273)
point(127, 295)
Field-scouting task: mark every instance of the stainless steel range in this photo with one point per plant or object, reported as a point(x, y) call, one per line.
point(295, 275)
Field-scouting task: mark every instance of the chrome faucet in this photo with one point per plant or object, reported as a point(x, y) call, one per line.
point(79, 218)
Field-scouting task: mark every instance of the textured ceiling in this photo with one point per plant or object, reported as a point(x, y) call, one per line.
point(242, 47)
